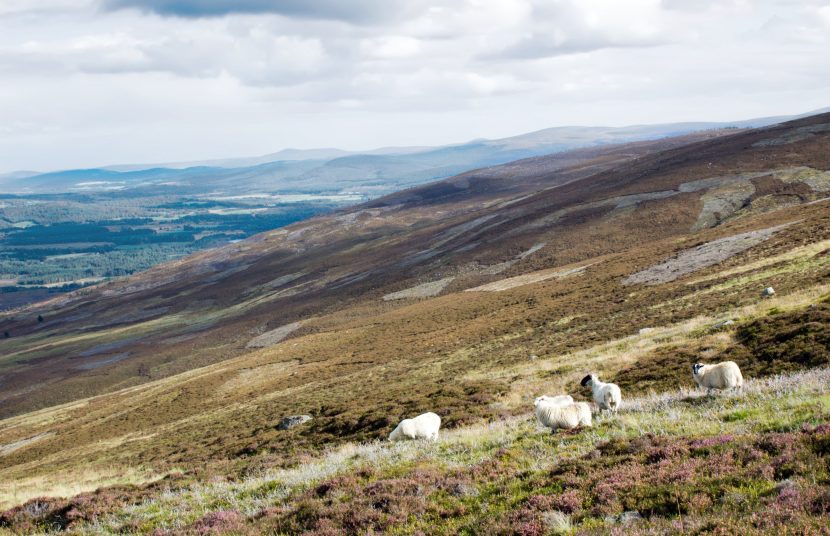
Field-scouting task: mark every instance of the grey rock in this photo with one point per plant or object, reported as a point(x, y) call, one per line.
point(294, 420)
point(629, 516)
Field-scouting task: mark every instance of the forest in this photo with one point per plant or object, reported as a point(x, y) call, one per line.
point(56, 243)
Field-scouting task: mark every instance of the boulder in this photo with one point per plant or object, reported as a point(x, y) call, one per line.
point(294, 420)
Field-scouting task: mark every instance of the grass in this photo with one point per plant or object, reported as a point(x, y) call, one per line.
point(71, 483)
point(513, 477)
point(677, 346)
point(358, 368)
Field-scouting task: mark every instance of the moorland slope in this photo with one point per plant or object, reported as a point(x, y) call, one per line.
point(465, 297)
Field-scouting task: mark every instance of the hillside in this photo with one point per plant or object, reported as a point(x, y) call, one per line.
point(623, 259)
point(371, 173)
point(64, 230)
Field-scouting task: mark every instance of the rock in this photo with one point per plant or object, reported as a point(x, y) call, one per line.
point(629, 516)
point(533, 357)
point(768, 292)
point(644, 331)
point(723, 324)
point(294, 420)
point(785, 485)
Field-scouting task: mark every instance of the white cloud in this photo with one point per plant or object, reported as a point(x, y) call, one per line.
point(81, 85)
point(391, 47)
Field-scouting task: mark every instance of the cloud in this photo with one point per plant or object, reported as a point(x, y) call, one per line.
point(391, 47)
point(561, 27)
point(354, 11)
point(251, 53)
point(158, 80)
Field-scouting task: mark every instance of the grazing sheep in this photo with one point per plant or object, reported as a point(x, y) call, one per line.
point(558, 400)
point(424, 426)
point(725, 375)
point(607, 395)
point(567, 416)
point(768, 292)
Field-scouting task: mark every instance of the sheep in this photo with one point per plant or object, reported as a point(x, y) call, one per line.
point(424, 426)
point(768, 292)
point(558, 400)
point(607, 395)
point(725, 375)
point(567, 416)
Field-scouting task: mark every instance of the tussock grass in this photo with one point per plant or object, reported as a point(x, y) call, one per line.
point(70, 483)
point(776, 404)
point(561, 373)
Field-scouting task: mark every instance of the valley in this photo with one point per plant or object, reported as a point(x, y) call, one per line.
point(61, 242)
point(468, 297)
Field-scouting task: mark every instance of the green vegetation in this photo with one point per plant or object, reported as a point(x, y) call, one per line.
point(782, 341)
point(673, 462)
point(64, 242)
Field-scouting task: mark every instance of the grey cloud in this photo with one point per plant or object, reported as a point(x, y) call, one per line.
point(353, 11)
point(562, 28)
point(545, 46)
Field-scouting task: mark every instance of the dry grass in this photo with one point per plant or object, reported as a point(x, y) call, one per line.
point(562, 373)
point(772, 403)
point(71, 483)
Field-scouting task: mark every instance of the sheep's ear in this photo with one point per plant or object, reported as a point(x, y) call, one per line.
point(585, 380)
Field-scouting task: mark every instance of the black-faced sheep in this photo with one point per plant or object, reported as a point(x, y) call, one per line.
point(568, 416)
point(424, 426)
point(725, 375)
point(607, 395)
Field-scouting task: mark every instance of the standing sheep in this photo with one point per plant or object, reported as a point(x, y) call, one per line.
point(607, 395)
point(725, 375)
point(568, 416)
point(424, 426)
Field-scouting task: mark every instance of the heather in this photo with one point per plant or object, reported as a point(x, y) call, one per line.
point(679, 461)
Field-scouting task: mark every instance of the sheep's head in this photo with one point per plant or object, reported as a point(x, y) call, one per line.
point(696, 368)
point(539, 400)
point(587, 380)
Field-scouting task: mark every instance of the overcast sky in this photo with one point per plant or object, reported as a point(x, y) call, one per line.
point(96, 82)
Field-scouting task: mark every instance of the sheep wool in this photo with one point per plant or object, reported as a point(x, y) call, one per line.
point(607, 395)
point(725, 375)
point(565, 417)
point(558, 400)
point(424, 426)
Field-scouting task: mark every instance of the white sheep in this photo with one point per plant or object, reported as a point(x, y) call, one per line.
point(725, 375)
point(768, 292)
point(424, 426)
point(607, 395)
point(567, 416)
point(558, 400)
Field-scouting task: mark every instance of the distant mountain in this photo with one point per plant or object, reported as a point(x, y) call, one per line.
point(15, 175)
point(373, 173)
point(468, 297)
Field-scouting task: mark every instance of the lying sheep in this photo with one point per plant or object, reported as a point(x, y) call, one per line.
point(567, 416)
point(725, 375)
point(424, 426)
point(558, 400)
point(607, 395)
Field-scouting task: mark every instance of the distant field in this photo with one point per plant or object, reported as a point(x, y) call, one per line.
point(58, 243)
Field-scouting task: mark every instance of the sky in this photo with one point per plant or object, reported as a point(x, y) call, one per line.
point(96, 82)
